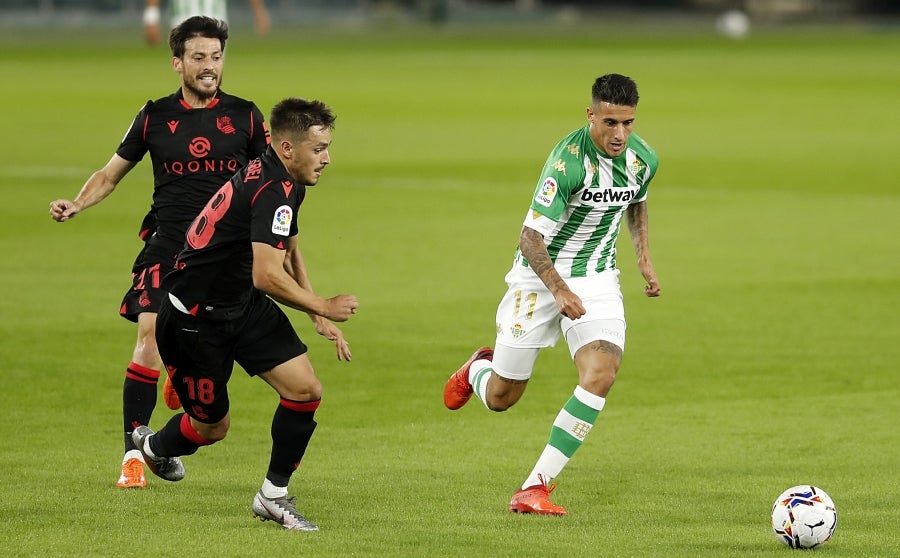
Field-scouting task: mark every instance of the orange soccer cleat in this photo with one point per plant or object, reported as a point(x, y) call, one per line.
point(457, 391)
point(536, 499)
point(132, 474)
point(170, 396)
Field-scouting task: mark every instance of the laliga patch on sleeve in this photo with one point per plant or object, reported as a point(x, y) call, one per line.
point(547, 192)
point(281, 223)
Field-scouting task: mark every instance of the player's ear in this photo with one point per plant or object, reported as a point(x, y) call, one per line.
point(287, 148)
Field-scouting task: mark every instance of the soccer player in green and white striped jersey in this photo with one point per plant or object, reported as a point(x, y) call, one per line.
point(564, 280)
point(180, 10)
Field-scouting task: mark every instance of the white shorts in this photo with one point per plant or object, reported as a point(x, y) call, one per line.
point(528, 319)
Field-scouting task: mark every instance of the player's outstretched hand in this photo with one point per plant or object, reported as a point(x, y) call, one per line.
point(341, 307)
point(331, 332)
point(63, 210)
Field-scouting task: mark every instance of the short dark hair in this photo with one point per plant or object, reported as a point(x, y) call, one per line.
point(296, 116)
point(615, 89)
point(197, 26)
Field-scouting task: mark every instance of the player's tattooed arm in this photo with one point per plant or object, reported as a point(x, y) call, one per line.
point(640, 239)
point(532, 245)
point(533, 248)
point(637, 228)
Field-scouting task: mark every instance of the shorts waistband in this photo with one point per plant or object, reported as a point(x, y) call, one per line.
point(210, 312)
point(178, 304)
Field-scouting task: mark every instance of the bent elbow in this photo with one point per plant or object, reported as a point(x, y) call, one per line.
point(262, 280)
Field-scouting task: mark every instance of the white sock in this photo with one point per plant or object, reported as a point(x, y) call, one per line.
point(149, 452)
point(271, 491)
point(479, 374)
point(132, 454)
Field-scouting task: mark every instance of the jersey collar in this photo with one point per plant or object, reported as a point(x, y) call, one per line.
point(187, 106)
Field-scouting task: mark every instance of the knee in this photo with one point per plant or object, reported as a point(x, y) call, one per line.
point(212, 432)
point(502, 393)
point(146, 352)
point(599, 381)
point(500, 403)
point(498, 407)
point(597, 364)
point(147, 355)
point(306, 391)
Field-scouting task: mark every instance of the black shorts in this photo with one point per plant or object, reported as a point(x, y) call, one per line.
point(152, 264)
point(200, 353)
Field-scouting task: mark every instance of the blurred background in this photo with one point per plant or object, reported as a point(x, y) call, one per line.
point(74, 13)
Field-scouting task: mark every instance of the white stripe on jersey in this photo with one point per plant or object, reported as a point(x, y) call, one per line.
point(183, 9)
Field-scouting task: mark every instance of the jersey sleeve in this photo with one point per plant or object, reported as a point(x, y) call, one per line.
point(561, 176)
point(134, 144)
point(273, 216)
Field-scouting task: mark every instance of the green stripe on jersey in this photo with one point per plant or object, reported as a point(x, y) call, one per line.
point(604, 261)
point(565, 234)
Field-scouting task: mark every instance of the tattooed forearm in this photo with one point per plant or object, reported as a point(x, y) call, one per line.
point(637, 227)
point(532, 245)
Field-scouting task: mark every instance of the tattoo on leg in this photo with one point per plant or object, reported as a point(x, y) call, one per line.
point(606, 347)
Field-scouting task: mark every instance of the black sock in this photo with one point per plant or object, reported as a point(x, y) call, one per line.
point(292, 428)
point(177, 438)
point(138, 399)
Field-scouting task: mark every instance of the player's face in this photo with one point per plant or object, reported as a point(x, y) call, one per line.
point(610, 126)
point(309, 155)
point(201, 67)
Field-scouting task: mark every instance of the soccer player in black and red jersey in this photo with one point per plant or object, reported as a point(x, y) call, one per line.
point(197, 138)
point(241, 253)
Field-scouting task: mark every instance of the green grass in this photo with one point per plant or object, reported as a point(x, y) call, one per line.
point(770, 360)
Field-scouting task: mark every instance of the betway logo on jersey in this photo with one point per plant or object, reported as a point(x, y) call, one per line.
point(609, 195)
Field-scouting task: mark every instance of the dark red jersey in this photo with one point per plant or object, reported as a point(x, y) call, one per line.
point(194, 151)
point(213, 274)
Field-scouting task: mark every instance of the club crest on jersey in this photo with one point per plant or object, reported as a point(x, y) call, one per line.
point(223, 123)
point(281, 223)
point(547, 192)
point(637, 169)
point(516, 330)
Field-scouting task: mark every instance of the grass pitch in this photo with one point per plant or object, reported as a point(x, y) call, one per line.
point(769, 361)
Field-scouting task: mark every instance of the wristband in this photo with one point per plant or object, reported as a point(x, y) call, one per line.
point(151, 15)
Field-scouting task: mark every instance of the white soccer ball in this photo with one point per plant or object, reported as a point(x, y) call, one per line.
point(803, 517)
point(734, 24)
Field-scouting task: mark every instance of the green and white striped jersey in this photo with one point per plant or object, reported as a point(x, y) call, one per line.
point(581, 198)
point(180, 10)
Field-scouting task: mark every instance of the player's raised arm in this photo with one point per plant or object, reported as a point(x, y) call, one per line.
point(100, 184)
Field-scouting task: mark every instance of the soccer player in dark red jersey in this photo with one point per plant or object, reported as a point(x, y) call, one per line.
point(241, 253)
point(197, 138)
